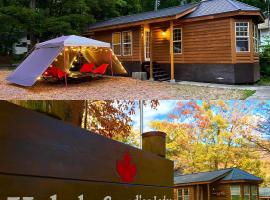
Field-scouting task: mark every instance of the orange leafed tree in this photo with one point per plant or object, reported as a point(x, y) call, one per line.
point(211, 135)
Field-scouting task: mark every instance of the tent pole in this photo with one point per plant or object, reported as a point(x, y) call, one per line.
point(65, 67)
point(111, 62)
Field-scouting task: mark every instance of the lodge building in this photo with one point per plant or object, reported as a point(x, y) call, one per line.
point(209, 41)
point(225, 184)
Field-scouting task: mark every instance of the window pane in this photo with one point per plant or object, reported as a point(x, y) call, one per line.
point(242, 36)
point(126, 37)
point(127, 49)
point(246, 192)
point(256, 38)
point(177, 35)
point(235, 190)
point(242, 44)
point(116, 38)
point(254, 192)
point(179, 195)
point(127, 43)
point(117, 49)
point(177, 47)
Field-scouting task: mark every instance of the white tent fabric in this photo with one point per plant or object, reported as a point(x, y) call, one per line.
point(45, 54)
point(75, 41)
point(32, 67)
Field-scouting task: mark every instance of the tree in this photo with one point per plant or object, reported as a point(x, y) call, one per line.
point(211, 136)
point(111, 119)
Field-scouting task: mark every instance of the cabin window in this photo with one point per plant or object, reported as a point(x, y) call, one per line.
point(254, 192)
point(183, 194)
point(116, 43)
point(127, 43)
point(242, 36)
point(235, 192)
point(246, 192)
point(256, 38)
point(177, 40)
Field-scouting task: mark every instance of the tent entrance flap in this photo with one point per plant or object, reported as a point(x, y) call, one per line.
point(34, 66)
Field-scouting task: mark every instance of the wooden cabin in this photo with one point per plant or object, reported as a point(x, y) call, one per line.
point(210, 41)
point(225, 184)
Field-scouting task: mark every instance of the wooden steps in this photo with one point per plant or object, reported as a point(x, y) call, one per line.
point(158, 73)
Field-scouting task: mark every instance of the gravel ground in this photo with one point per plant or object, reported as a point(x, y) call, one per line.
point(111, 88)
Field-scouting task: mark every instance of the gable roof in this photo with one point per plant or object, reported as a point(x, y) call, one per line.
point(238, 174)
point(167, 12)
point(212, 7)
point(203, 8)
point(200, 177)
point(231, 174)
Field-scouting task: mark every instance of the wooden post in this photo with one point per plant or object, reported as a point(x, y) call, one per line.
point(171, 52)
point(233, 41)
point(65, 66)
point(111, 62)
point(151, 55)
point(208, 192)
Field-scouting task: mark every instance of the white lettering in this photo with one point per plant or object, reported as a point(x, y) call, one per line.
point(80, 197)
point(54, 197)
point(13, 198)
point(108, 198)
point(28, 198)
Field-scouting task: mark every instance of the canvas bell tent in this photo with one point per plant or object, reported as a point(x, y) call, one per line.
point(67, 56)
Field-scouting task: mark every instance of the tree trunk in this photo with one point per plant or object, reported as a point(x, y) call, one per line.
point(68, 111)
point(32, 36)
point(33, 4)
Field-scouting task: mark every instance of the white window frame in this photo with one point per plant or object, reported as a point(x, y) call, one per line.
point(183, 193)
point(174, 41)
point(256, 40)
point(118, 43)
point(248, 37)
point(131, 44)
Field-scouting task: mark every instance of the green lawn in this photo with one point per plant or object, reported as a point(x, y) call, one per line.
point(247, 93)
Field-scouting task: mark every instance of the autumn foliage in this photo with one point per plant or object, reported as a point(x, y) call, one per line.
point(211, 135)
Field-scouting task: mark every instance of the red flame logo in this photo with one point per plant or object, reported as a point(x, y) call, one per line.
point(125, 169)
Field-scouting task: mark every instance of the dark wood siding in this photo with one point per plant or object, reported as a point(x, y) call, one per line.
point(106, 36)
point(203, 42)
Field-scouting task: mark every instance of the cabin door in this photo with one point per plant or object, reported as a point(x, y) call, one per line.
point(147, 45)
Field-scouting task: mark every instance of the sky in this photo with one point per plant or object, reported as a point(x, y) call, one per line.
point(166, 107)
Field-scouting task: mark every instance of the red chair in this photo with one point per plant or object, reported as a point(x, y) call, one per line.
point(61, 74)
point(101, 69)
point(54, 71)
point(87, 68)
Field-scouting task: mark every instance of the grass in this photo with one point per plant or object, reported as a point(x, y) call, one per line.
point(265, 81)
point(247, 93)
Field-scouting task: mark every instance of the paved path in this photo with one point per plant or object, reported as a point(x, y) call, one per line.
point(262, 92)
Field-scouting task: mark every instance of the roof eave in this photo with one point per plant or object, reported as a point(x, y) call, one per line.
point(192, 183)
point(228, 14)
point(149, 21)
point(241, 181)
